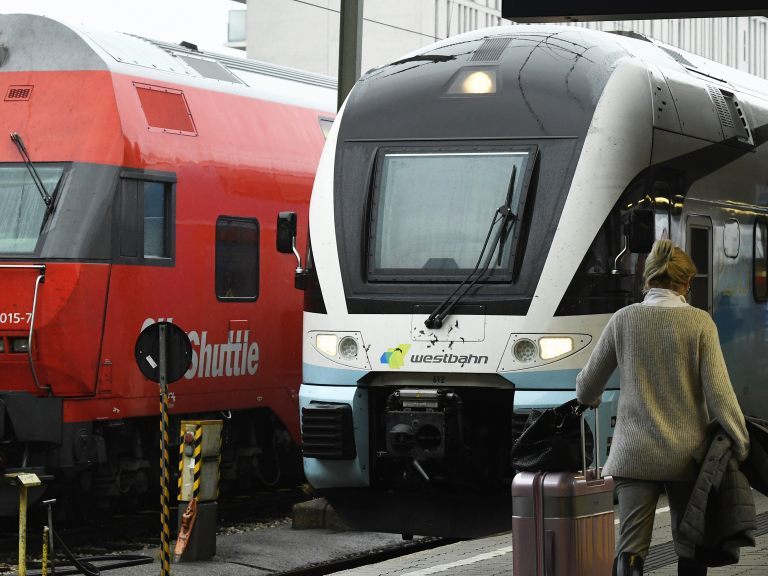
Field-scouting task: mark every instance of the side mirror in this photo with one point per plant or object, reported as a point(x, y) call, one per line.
point(286, 238)
point(286, 232)
point(642, 231)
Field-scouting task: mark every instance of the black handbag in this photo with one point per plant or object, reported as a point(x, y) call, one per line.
point(755, 467)
point(551, 441)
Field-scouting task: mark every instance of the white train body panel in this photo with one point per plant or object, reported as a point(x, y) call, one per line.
point(609, 131)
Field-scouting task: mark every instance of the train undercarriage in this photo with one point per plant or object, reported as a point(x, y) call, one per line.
point(110, 466)
point(439, 461)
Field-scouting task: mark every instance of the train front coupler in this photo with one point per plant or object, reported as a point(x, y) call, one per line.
point(424, 436)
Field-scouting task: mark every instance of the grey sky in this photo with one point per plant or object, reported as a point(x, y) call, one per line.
point(202, 22)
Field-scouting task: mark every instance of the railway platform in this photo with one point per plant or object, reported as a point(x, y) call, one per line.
point(493, 556)
point(279, 550)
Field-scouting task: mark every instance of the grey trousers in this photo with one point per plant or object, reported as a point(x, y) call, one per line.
point(637, 512)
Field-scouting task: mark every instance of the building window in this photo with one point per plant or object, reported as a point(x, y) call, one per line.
point(237, 258)
point(236, 31)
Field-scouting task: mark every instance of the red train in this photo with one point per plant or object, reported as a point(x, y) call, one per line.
point(142, 181)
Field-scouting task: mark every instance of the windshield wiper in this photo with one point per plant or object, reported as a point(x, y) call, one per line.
point(504, 215)
point(425, 58)
point(16, 139)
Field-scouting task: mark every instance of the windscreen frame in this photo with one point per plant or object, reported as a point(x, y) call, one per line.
point(65, 168)
point(504, 274)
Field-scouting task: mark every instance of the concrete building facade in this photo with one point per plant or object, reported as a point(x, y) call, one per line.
point(737, 42)
point(305, 33)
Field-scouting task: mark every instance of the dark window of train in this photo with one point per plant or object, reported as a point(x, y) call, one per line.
point(731, 238)
point(760, 266)
point(699, 246)
point(129, 230)
point(146, 227)
point(156, 198)
point(237, 258)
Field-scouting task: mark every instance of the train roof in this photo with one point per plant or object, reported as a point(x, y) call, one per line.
point(647, 49)
point(37, 43)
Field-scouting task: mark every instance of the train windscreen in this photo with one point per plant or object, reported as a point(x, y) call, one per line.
point(432, 211)
point(22, 208)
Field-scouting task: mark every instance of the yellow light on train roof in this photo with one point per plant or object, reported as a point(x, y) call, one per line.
point(474, 81)
point(480, 82)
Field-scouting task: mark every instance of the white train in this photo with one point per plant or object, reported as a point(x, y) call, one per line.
point(481, 208)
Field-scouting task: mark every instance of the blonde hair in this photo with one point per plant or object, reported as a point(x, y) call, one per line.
point(667, 266)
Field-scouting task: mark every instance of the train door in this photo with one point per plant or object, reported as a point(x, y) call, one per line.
point(699, 248)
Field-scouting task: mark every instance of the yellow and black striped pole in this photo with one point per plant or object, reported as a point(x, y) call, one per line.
point(165, 532)
point(180, 481)
point(197, 460)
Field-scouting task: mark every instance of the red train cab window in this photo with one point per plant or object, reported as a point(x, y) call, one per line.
point(237, 258)
point(155, 216)
point(146, 212)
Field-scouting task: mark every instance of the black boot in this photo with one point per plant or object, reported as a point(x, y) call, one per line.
point(689, 567)
point(628, 564)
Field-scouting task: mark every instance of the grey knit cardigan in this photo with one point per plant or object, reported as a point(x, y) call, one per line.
point(673, 382)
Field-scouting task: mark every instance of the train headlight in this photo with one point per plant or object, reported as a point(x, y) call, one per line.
point(328, 344)
point(474, 81)
point(20, 345)
point(479, 83)
point(348, 348)
point(345, 348)
point(525, 350)
point(554, 346)
point(2, 345)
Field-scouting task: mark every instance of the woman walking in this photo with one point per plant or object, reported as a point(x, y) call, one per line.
point(673, 382)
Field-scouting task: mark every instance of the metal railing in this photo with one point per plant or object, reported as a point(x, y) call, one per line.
point(40, 278)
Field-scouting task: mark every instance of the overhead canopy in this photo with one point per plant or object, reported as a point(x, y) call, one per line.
point(586, 10)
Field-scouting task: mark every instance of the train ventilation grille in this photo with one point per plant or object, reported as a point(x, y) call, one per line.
point(722, 107)
point(211, 69)
point(490, 50)
point(18, 93)
point(327, 432)
point(731, 114)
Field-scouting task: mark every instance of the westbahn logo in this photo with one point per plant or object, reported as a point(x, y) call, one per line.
point(395, 357)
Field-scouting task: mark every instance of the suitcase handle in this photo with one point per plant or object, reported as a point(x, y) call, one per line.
point(596, 444)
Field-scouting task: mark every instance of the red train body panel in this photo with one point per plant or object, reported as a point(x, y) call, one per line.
point(168, 176)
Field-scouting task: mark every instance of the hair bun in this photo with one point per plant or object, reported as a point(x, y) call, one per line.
point(667, 266)
point(663, 250)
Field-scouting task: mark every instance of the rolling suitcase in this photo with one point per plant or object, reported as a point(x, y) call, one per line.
point(562, 522)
